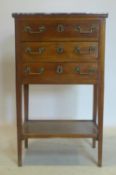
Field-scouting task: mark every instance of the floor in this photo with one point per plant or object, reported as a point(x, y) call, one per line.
point(57, 156)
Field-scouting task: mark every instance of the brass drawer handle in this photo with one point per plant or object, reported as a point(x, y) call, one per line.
point(59, 50)
point(92, 29)
point(60, 28)
point(59, 69)
point(90, 71)
point(40, 70)
point(39, 51)
point(91, 49)
point(28, 29)
point(27, 70)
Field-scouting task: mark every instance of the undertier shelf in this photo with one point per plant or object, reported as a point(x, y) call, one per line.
point(60, 128)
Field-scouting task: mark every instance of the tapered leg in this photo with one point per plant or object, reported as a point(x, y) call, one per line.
point(19, 152)
point(100, 122)
point(94, 109)
point(101, 91)
point(19, 121)
point(26, 107)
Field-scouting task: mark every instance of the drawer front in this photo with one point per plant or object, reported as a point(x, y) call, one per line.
point(59, 51)
point(60, 72)
point(59, 29)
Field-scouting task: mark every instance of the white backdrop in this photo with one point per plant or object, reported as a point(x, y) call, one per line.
point(55, 101)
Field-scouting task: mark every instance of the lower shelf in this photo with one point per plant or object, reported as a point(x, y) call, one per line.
point(59, 128)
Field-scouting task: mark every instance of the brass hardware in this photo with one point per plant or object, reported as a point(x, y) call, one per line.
point(59, 69)
point(77, 69)
point(40, 51)
point(91, 70)
point(77, 50)
point(90, 50)
point(59, 50)
point(28, 50)
point(60, 28)
point(28, 29)
point(40, 70)
point(27, 70)
point(92, 29)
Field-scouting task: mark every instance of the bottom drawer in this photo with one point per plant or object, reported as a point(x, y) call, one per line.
point(59, 73)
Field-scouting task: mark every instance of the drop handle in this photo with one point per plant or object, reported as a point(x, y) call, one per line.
point(59, 69)
point(89, 72)
point(39, 51)
point(41, 29)
point(40, 70)
point(27, 70)
point(90, 50)
point(81, 30)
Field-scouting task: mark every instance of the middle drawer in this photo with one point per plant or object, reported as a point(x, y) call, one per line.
point(59, 51)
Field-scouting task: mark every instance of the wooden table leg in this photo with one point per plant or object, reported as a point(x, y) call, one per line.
point(19, 121)
point(100, 121)
point(26, 107)
point(94, 109)
point(101, 93)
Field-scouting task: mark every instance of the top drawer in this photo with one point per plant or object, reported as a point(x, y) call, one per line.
point(59, 29)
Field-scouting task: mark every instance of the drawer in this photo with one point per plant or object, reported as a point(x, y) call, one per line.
point(59, 51)
point(59, 29)
point(60, 72)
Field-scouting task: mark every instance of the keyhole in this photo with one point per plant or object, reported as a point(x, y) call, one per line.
point(60, 28)
point(59, 69)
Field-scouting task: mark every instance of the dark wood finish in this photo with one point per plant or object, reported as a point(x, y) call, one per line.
point(51, 27)
point(68, 75)
point(95, 97)
point(59, 128)
point(60, 49)
point(26, 107)
point(18, 96)
point(101, 91)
